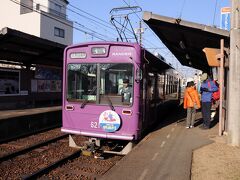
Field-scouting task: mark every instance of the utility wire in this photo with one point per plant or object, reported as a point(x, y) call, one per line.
point(181, 11)
point(146, 40)
point(98, 20)
point(215, 11)
point(56, 19)
point(102, 22)
point(95, 22)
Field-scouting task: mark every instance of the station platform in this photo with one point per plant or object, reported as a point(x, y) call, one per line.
point(164, 154)
point(17, 123)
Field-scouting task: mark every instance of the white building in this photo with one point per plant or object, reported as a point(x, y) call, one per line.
point(46, 19)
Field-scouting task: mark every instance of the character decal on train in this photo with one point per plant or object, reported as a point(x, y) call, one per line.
point(109, 121)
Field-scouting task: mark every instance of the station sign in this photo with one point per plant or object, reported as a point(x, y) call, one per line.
point(225, 18)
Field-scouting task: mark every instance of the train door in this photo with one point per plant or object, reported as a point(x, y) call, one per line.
point(150, 98)
point(147, 97)
point(144, 103)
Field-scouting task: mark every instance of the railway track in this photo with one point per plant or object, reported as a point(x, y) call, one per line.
point(52, 166)
point(30, 148)
point(53, 158)
point(21, 143)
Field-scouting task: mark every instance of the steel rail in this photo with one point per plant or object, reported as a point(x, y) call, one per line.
point(52, 166)
point(25, 150)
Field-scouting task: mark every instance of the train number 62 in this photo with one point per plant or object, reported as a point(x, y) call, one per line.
point(94, 124)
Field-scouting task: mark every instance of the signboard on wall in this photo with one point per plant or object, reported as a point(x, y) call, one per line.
point(46, 85)
point(9, 82)
point(48, 73)
point(47, 79)
point(225, 18)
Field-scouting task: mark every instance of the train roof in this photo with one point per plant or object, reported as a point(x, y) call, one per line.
point(159, 64)
point(156, 62)
point(103, 42)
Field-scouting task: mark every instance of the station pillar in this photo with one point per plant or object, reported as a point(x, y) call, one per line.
point(234, 77)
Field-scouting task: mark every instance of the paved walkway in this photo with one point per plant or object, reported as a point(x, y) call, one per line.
point(164, 154)
point(6, 114)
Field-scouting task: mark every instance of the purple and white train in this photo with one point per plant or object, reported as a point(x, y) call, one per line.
point(94, 104)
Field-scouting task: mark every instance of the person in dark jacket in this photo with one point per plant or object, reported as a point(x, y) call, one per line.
point(208, 86)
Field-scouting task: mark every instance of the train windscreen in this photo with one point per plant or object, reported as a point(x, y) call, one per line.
point(101, 83)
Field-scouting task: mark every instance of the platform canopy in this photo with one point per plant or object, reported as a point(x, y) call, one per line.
point(186, 40)
point(18, 47)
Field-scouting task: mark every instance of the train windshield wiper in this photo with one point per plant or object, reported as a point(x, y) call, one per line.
point(110, 103)
point(86, 100)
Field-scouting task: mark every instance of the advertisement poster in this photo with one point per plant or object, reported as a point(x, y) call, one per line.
point(48, 86)
point(48, 73)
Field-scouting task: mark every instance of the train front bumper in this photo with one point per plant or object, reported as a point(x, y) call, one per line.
point(99, 135)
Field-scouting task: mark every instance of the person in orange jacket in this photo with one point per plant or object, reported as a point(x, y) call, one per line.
point(191, 102)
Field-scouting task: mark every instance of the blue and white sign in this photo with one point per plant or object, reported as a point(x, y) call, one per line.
point(225, 18)
point(109, 121)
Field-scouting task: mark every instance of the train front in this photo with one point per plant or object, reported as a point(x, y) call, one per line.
point(101, 90)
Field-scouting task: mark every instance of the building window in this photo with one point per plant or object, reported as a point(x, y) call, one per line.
point(58, 8)
point(59, 32)
point(9, 82)
point(26, 6)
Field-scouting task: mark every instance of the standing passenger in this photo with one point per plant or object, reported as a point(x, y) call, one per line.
point(207, 88)
point(191, 102)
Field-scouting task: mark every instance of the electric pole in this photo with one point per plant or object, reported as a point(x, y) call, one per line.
point(140, 35)
point(233, 110)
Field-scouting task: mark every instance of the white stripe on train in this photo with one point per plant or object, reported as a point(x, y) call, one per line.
point(98, 134)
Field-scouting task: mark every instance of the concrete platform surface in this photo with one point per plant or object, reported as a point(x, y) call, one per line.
point(165, 154)
point(19, 123)
point(6, 114)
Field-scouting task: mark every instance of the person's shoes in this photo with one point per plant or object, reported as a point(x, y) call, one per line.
point(203, 127)
point(187, 127)
point(191, 126)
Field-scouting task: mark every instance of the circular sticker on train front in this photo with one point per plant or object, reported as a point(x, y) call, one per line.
point(109, 121)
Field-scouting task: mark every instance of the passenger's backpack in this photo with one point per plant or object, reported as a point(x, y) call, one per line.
point(216, 94)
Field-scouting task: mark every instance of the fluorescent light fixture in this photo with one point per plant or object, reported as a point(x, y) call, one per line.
point(29, 52)
point(118, 70)
point(182, 45)
point(91, 75)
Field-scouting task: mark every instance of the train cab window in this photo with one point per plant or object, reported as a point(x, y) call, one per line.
point(116, 84)
point(82, 82)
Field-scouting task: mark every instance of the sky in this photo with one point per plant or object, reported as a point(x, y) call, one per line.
point(92, 20)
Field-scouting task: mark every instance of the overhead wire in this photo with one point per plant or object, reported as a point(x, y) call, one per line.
point(95, 22)
point(149, 42)
point(56, 19)
point(102, 22)
point(215, 11)
point(181, 11)
point(146, 40)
